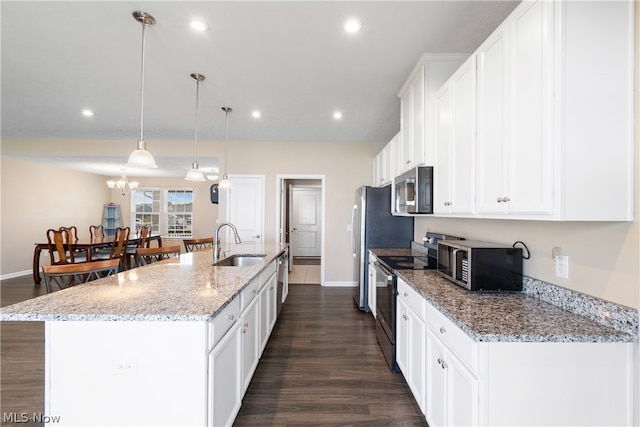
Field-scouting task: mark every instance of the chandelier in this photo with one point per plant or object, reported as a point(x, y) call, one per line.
point(122, 184)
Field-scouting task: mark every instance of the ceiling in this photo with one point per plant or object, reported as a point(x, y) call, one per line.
point(291, 60)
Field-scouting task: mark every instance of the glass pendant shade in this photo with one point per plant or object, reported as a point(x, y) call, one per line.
point(225, 184)
point(141, 157)
point(195, 174)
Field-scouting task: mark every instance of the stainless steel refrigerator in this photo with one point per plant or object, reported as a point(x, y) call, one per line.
point(373, 226)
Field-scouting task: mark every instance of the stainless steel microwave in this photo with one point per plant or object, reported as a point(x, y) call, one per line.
point(481, 266)
point(414, 191)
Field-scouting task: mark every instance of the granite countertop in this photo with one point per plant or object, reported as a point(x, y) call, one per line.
point(514, 316)
point(188, 289)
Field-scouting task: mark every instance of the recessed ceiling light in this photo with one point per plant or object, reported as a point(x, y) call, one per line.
point(88, 113)
point(352, 26)
point(337, 115)
point(256, 114)
point(199, 26)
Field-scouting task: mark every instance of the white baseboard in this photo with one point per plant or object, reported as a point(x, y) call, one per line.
point(16, 274)
point(339, 284)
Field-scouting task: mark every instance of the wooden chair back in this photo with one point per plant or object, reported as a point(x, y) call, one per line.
point(59, 242)
point(96, 231)
point(145, 231)
point(66, 275)
point(146, 256)
point(119, 246)
point(73, 232)
point(191, 245)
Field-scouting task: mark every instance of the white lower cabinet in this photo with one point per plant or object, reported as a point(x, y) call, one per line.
point(250, 342)
point(371, 295)
point(470, 383)
point(268, 308)
point(410, 340)
point(225, 396)
point(451, 389)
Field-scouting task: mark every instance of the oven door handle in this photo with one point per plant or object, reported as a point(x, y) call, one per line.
point(381, 268)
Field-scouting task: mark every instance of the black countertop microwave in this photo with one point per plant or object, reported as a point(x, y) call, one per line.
point(414, 191)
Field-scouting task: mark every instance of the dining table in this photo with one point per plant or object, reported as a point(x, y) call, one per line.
point(87, 245)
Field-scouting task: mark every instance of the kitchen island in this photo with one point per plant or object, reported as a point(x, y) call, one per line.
point(173, 343)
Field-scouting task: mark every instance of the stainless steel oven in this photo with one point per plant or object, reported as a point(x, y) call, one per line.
point(386, 294)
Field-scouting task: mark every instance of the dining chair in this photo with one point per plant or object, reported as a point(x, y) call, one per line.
point(59, 245)
point(144, 232)
point(96, 231)
point(79, 255)
point(66, 275)
point(118, 247)
point(146, 256)
point(191, 245)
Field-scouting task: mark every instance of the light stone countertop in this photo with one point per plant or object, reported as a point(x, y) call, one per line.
point(512, 316)
point(188, 289)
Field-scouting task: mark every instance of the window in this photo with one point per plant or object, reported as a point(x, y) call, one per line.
point(169, 212)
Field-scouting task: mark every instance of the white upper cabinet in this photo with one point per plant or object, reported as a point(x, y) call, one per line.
point(417, 110)
point(455, 142)
point(383, 164)
point(515, 160)
point(555, 113)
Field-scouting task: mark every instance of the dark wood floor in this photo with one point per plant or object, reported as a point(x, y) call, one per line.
point(321, 367)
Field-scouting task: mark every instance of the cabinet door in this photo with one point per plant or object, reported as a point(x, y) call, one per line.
point(491, 123)
point(415, 357)
point(462, 394)
point(515, 143)
point(463, 137)
point(224, 379)
point(436, 385)
point(529, 173)
point(410, 344)
point(442, 170)
point(451, 389)
point(402, 336)
point(250, 338)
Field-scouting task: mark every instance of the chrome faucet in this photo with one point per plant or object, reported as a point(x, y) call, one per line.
point(216, 245)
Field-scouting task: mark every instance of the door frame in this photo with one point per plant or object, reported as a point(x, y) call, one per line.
point(281, 216)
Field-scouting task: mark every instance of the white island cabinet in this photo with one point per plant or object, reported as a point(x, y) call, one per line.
point(174, 343)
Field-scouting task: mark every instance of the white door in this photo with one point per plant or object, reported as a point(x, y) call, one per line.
point(245, 207)
point(305, 227)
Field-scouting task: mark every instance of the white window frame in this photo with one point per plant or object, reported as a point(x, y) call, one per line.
point(162, 227)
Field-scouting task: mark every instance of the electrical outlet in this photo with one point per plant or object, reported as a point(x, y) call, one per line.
point(562, 266)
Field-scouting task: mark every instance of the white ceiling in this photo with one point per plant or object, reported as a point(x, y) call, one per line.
point(291, 60)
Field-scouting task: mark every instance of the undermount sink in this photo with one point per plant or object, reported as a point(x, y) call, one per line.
point(239, 260)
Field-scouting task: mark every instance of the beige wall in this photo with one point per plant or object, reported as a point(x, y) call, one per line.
point(344, 165)
point(36, 198)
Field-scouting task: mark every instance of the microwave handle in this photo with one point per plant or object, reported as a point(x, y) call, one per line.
point(454, 266)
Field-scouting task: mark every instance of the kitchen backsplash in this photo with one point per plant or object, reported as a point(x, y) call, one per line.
point(604, 312)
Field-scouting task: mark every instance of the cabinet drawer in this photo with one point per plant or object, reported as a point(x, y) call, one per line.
point(412, 298)
point(223, 321)
point(249, 293)
point(267, 273)
point(461, 344)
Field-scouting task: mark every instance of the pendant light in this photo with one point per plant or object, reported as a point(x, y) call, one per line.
point(225, 184)
point(140, 157)
point(195, 174)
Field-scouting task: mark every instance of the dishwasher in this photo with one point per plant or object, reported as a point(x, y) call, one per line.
point(283, 278)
